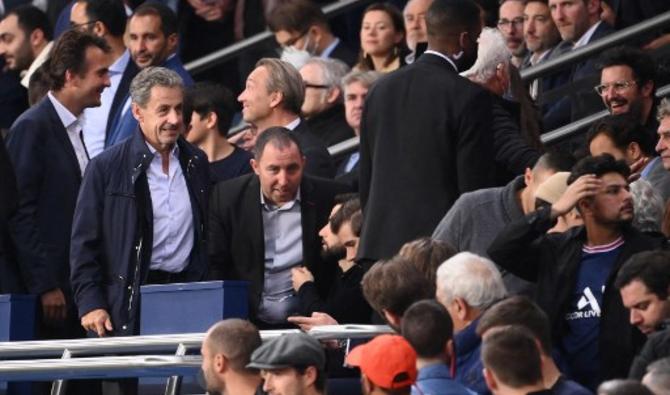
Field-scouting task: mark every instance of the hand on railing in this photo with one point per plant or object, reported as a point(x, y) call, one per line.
point(97, 321)
point(54, 307)
point(317, 319)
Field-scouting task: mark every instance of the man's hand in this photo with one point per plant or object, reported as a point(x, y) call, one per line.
point(658, 43)
point(585, 186)
point(211, 10)
point(299, 276)
point(97, 321)
point(245, 139)
point(636, 169)
point(54, 308)
point(317, 319)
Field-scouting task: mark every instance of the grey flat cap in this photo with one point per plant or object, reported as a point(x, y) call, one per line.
point(293, 349)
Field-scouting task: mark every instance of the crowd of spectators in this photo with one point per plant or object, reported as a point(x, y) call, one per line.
point(502, 264)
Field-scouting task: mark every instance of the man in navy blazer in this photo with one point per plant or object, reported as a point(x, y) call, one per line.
point(46, 147)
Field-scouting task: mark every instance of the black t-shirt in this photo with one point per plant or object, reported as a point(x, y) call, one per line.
point(234, 165)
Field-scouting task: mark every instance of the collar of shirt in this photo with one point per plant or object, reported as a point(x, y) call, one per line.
point(443, 56)
point(293, 124)
point(583, 40)
point(287, 206)
point(39, 60)
point(120, 64)
point(174, 153)
point(647, 169)
point(66, 117)
point(535, 59)
point(329, 49)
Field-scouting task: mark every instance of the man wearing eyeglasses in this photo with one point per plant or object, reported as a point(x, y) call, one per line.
point(105, 19)
point(627, 85)
point(511, 26)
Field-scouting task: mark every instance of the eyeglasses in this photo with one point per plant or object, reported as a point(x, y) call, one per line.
point(618, 86)
point(293, 40)
point(506, 23)
point(315, 86)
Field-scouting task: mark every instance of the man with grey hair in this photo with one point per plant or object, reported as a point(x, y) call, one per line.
point(467, 285)
point(663, 145)
point(414, 15)
point(141, 211)
point(273, 97)
point(323, 106)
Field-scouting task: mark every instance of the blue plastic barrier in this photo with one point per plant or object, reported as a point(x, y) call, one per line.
point(17, 322)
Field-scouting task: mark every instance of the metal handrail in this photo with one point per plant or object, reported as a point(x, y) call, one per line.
point(161, 343)
point(344, 147)
point(224, 54)
point(611, 40)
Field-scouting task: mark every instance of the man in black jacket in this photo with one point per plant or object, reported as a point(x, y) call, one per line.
point(575, 270)
point(141, 211)
point(264, 224)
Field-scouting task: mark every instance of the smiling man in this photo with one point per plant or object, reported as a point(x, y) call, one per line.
point(589, 321)
point(266, 223)
point(141, 211)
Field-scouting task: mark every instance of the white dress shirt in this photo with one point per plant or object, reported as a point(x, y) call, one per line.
point(73, 127)
point(586, 38)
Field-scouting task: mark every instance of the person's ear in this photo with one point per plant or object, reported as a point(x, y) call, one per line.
point(490, 380)
point(647, 89)
point(528, 176)
point(309, 377)
point(449, 349)
point(368, 386)
point(172, 42)
point(634, 151)
point(212, 120)
point(220, 363)
point(36, 37)
point(99, 29)
point(463, 40)
point(462, 309)
point(137, 112)
point(276, 98)
point(333, 95)
point(255, 166)
point(392, 319)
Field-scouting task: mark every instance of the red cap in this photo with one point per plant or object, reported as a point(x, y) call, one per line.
point(389, 361)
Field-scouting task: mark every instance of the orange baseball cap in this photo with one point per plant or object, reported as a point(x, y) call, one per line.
point(389, 361)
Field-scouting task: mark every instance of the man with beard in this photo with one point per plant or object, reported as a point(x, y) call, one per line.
point(511, 26)
point(628, 86)
point(421, 130)
point(345, 302)
point(575, 270)
point(226, 351)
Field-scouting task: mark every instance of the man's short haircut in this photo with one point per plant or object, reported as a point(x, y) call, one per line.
point(332, 71)
point(426, 255)
point(145, 80)
point(69, 53)
point(167, 16)
point(492, 53)
point(393, 285)
point(640, 62)
point(344, 214)
point(663, 109)
point(365, 78)
point(30, 18)
point(204, 98)
point(284, 78)
point(652, 268)
point(471, 277)
point(622, 129)
point(599, 165)
point(518, 310)
point(448, 17)
point(280, 138)
point(512, 355)
point(112, 14)
point(296, 16)
point(236, 339)
point(623, 387)
point(427, 326)
point(555, 160)
point(658, 375)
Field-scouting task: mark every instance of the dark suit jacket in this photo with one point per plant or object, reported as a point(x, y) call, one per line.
point(343, 53)
point(237, 248)
point(426, 137)
point(48, 179)
point(121, 94)
point(10, 278)
point(319, 161)
point(330, 126)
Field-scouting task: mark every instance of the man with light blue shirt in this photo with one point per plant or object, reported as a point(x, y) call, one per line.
point(105, 19)
point(141, 211)
point(152, 41)
point(263, 225)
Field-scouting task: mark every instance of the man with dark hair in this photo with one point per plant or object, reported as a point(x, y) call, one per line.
point(519, 310)
point(387, 364)
point(510, 25)
point(25, 40)
point(155, 238)
point(291, 364)
point(420, 155)
point(302, 30)
point(628, 85)
point(153, 40)
point(49, 156)
point(512, 362)
point(266, 223)
point(427, 327)
point(644, 284)
point(273, 96)
point(105, 19)
point(226, 352)
point(625, 139)
point(574, 271)
point(477, 217)
point(208, 113)
point(391, 286)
